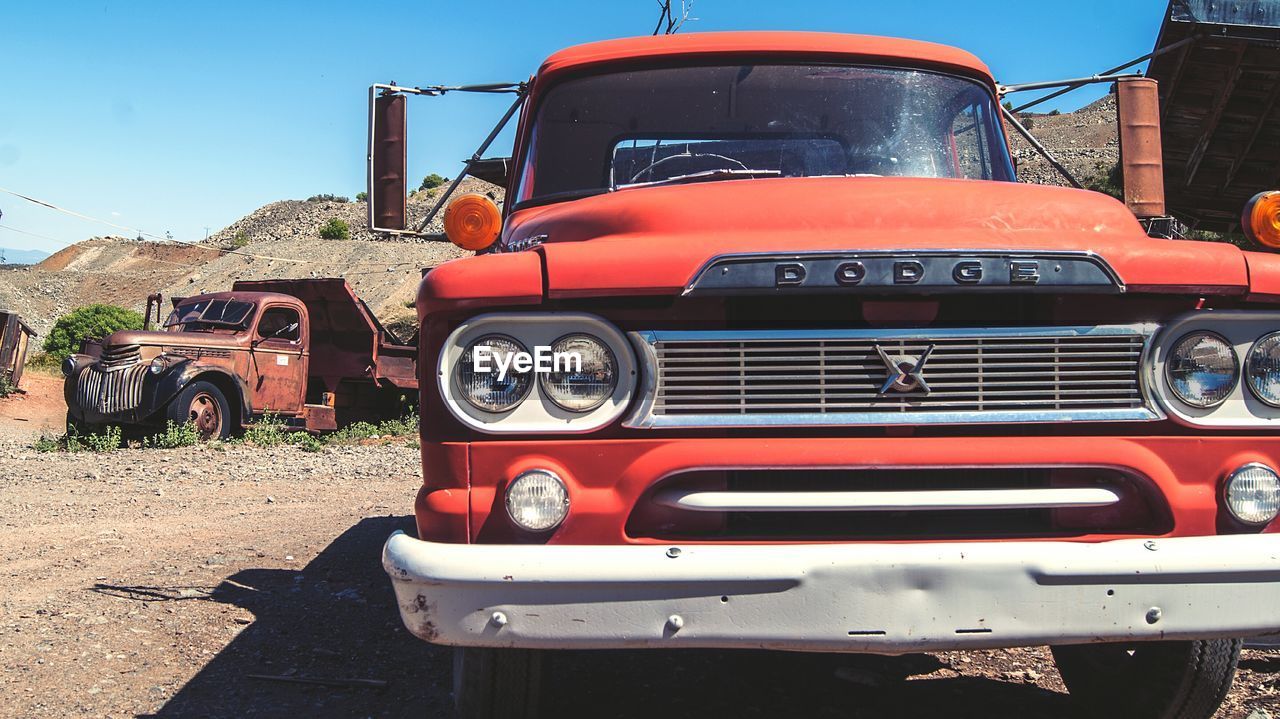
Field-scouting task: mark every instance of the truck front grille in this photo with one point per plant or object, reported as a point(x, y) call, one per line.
point(808, 378)
point(119, 357)
point(110, 392)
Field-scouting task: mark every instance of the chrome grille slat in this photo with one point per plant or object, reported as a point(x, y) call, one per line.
point(804, 377)
point(110, 391)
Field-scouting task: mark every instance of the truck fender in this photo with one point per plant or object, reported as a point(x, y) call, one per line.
point(169, 384)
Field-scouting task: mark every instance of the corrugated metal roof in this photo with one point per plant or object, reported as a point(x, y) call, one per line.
point(1220, 97)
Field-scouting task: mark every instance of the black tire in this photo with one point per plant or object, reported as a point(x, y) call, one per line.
point(497, 683)
point(203, 404)
point(1149, 680)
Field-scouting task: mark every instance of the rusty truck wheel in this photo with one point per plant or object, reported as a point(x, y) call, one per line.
point(497, 683)
point(1149, 680)
point(203, 405)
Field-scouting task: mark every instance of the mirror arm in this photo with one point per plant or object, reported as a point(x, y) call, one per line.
point(521, 96)
point(1026, 135)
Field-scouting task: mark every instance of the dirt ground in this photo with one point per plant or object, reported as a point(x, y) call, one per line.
point(159, 583)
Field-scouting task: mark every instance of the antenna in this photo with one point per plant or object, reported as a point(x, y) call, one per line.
point(667, 17)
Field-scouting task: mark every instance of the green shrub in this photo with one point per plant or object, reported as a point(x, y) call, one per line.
point(432, 181)
point(1055, 113)
point(362, 197)
point(335, 229)
point(240, 240)
point(107, 440)
point(89, 321)
point(406, 426)
point(174, 436)
point(1107, 180)
point(328, 198)
point(269, 431)
point(6, 386)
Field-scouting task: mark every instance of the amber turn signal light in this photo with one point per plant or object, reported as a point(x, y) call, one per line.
point(1261, 220)
point(472, 222)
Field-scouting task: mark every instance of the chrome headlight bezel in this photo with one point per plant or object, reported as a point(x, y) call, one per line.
point(548, 386)
point(523, 389)
point(537, 413)
point(1249, 370)
point(1235, 369)
point(1227, 485)
point(1242, 330)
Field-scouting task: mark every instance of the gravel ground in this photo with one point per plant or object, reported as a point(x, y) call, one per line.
point(156, 582)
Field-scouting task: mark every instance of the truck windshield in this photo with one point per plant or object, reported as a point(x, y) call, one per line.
point(204, 315)
point(712, 123)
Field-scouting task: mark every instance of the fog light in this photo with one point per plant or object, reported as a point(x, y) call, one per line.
point(1252, 494)
point(537, 500)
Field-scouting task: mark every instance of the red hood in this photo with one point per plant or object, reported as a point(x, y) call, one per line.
point(653, 240)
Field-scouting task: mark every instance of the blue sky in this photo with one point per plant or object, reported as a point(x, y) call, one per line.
point(177, 116)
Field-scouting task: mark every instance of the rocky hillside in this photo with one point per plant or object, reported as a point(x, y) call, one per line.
point(1086, 141)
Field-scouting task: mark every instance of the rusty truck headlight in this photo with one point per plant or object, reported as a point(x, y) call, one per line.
point(1203, 369)
point(1252, 494)
point(487, 375)
point(68, 366)
point(584, 375)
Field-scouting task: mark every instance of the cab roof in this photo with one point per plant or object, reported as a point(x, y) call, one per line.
point(832, 46)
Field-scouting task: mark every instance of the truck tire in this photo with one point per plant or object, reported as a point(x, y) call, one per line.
point(497, 683)
point(1149, 680)
point(202, 404)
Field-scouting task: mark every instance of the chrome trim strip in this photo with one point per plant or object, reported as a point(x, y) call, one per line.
point(959, 253)
point(643, 415)
point(928, 500)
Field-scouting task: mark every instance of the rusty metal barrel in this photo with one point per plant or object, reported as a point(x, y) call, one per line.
point(1141, 157)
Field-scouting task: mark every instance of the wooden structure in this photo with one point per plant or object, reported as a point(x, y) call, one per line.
point(1220, 97)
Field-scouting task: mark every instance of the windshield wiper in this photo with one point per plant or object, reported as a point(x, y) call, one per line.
point(201, 321)
point(705, 176)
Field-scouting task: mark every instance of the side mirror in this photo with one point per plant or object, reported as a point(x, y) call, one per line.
point(1141, 154)
point(387, 161)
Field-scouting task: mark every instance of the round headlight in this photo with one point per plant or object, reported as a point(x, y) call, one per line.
point(487, 376)
point(1252, 494)
point(1203, 369)
point(158, 365)
point(537, 501)
point(583, 373)
point(1262, 368)
point(68, 366)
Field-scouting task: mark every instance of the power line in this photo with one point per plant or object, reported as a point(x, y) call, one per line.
point(82, 216)
point(24, 232)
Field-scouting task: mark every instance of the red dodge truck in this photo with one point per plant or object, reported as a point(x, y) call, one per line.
point(841, 384)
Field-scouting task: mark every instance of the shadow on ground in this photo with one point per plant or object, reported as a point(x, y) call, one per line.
point(337, 618)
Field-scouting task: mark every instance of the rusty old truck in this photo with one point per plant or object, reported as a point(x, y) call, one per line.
point(843, 383)
point(307, 351)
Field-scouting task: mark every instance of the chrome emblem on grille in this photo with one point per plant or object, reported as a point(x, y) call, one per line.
point(906, 374)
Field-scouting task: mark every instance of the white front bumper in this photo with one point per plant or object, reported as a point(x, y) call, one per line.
point(880, 598)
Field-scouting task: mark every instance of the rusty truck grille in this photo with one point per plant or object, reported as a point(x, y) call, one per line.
point(119, 357)
point(110, 391)
point(817, 378)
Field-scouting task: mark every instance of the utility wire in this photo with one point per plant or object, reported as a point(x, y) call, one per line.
point(73, 213)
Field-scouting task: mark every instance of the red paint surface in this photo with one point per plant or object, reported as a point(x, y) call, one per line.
point(607, 477)
point(846, 48)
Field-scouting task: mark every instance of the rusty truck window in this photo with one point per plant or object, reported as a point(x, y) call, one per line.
point(280, 323)
point(607, 131)
point(203, 315)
